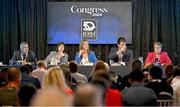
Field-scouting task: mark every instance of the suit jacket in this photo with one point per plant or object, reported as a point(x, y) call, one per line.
point(164, 58)
point(127, 57)
point(91, 57)
point(31, 57)
point(63, 60)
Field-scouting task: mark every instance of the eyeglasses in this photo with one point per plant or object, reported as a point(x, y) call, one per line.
point(25, 47)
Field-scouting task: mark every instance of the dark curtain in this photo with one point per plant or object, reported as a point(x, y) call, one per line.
point(153, 20)
point(156, 20)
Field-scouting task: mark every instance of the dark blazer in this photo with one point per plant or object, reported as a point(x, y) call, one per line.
point(127, 57)
point(31, 57)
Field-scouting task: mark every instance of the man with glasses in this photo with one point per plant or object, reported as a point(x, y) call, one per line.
point(157, 56)
point(121, 54)
point(24, 56)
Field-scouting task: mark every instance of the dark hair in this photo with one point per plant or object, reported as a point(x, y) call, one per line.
point(60, 43)
point(121, 39)
point(112, 74)
point(26, 69)
point(4, 76)
point(25, 94)
point(176, 71)
point(73, 67)
point(136, 75)
point(136, 65)
point(168, 70)
point(156, 72)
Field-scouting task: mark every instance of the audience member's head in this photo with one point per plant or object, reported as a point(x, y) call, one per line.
point(68, 78)
point(87, 95)
point(26, 69)
point(14, 76)
point(99, 65)
point(4, 76)
point(113, 76)
point(136, 76)
point(155, 72)
point(25, 94)
point(50, 97)
point(54, 78)
point(168, 70)
point(176, 71)
point(136, 65)
point(42, 64)
point(73, 66)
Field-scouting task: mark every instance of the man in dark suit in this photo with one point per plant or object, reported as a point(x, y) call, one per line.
point(121, 53)
point(24, 56)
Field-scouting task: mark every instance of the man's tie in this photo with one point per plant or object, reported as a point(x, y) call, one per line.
point(24, 57)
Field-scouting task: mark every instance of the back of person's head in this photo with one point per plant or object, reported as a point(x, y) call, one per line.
point(136, 76)
point(113, 76)
point(155, 72)
point(101, 73)
point(121, 39)
point(168, 70)
point(4, 76)
point(14, 74)
point(99, 65)
point(26, 69)
point(87, 95)
point(25, 94)
point(42, 64)
point(176, 71)
point(136, 65)
point(50, 97)
point(67, 75)
point(73, 66)
point(54, 78)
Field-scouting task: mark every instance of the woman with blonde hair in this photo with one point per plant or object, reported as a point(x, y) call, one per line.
point(55, 78)
point(85, 55)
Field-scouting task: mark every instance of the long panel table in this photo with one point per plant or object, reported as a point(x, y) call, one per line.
point(86, 70)
point(120, 70)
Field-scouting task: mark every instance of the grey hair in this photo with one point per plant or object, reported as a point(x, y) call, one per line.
point(22, 44)
point(158, 43)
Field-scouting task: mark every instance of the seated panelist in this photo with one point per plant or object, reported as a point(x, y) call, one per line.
point(157, 56)
point(121, 54)
point(24, 56)
point(84, 55)
point(57, 57)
